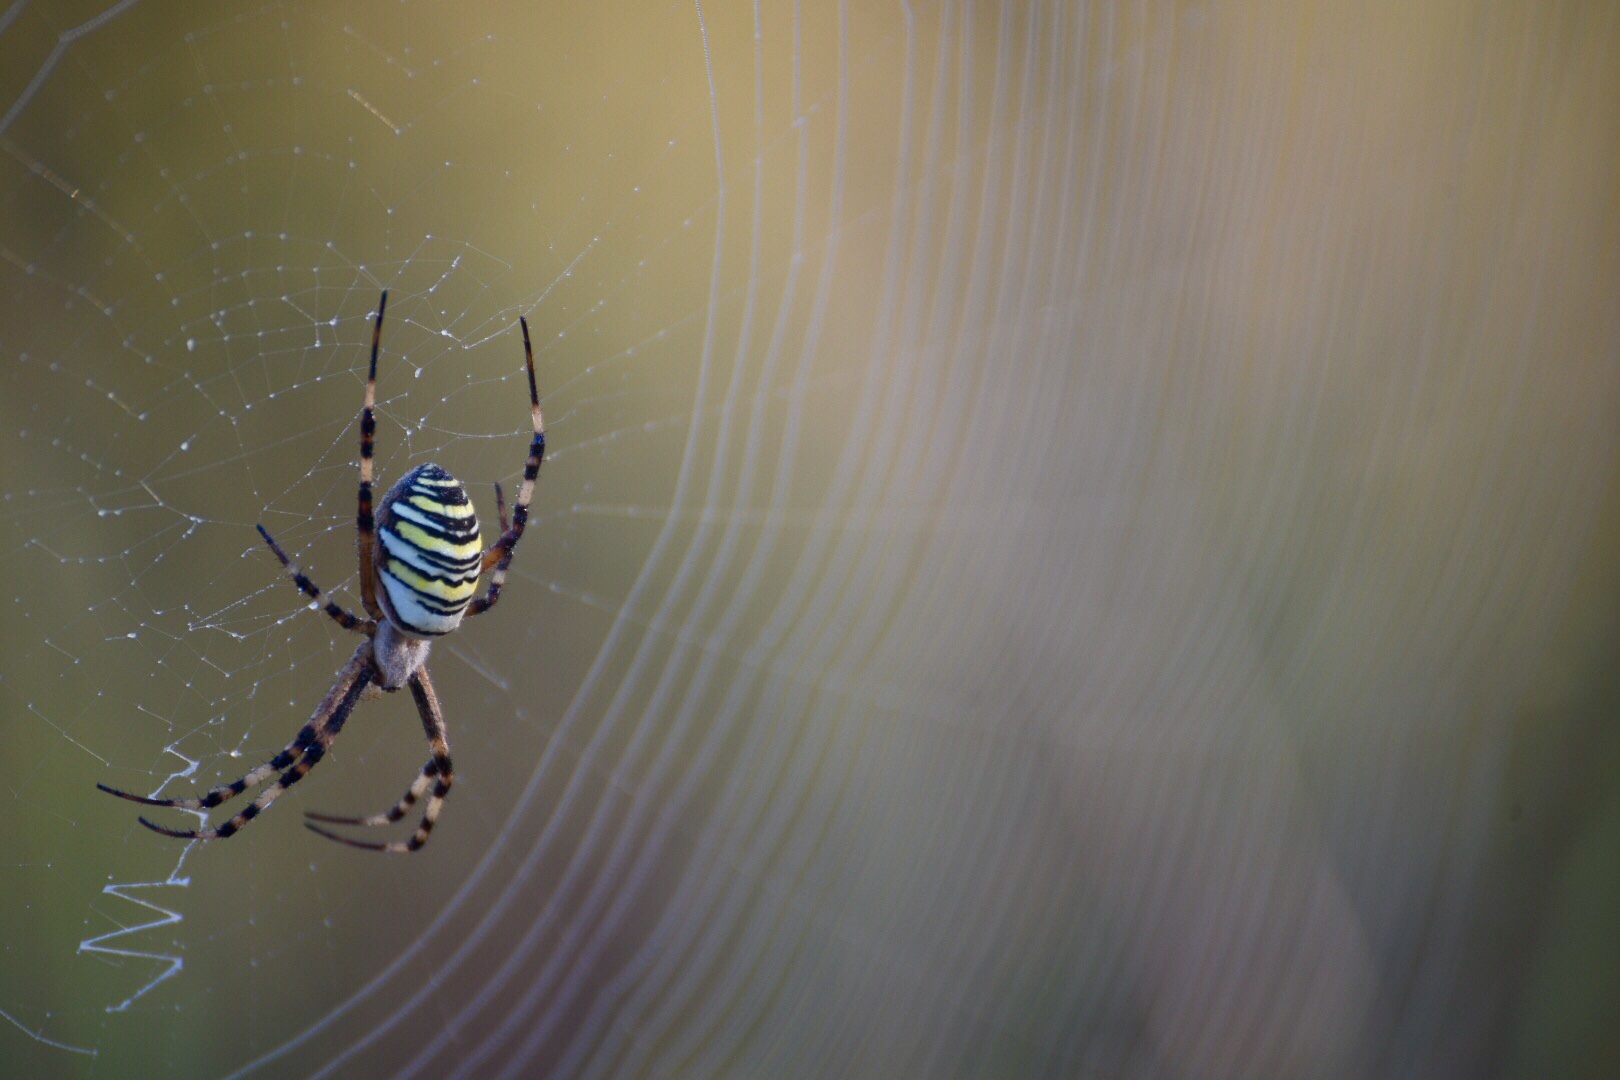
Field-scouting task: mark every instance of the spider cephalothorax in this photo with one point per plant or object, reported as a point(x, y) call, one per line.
point(423, 547)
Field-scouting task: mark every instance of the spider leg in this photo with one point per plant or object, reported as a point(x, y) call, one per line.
point(500, 508)
point(366, 525)
point(427, 703)
point(499, 556)
point(417, 789)
point(225, 792)
point(498, 578)
point(346, 619)
point(313, 741)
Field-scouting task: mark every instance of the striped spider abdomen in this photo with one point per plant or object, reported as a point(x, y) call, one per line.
point(430, 554)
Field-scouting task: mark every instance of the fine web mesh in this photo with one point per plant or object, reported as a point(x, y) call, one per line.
point(1061, 524)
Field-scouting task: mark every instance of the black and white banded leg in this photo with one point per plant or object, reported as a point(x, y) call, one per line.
point(499, 556)
point(365, 540)
point(302, 755)
point(342, 616)
point(437, 773)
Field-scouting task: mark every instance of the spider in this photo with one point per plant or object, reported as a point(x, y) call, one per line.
point(428, 564)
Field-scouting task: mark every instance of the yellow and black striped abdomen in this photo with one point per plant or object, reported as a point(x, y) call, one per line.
point(430, 551)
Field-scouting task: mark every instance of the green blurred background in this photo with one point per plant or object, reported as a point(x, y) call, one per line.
point(1078, 540)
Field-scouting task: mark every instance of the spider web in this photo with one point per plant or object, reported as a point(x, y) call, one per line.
point(1058, 534)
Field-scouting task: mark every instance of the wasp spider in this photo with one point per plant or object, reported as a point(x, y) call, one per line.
point(422, 546)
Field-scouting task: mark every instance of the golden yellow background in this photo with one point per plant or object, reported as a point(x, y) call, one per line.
point(1078, 539)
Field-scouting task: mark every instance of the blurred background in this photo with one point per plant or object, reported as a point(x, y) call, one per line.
point(1078, 539)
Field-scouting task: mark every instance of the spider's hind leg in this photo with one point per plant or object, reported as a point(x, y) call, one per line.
point(498, 559)
point(365, 518)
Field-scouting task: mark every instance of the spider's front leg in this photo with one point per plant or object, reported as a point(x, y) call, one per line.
point(437, 772)
point(302, 754)
point(417, 789)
